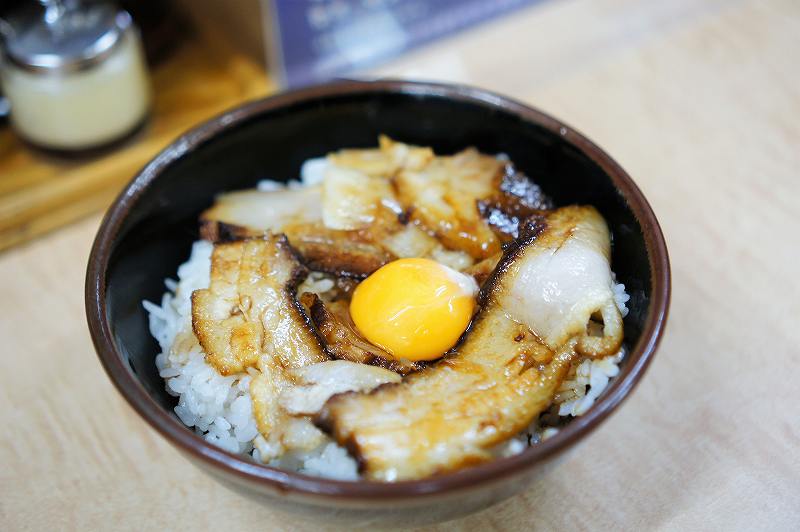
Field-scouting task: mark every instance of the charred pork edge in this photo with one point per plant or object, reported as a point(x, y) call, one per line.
point(321, 266)
point(218, 232)
point(320, 313)
point(299, 274)
point(530, 231)
point(533, 228)
point(324, 421)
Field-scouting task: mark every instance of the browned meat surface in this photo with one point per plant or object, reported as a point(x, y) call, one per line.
point(250, 309)
point(515, 200)
point(461, 208)
point(346, 253)
point(483, 269)
point(443, 197)
point(564, 285)
point(452, 413)
point(249, 213)
point(249, 317)
point(343, 340)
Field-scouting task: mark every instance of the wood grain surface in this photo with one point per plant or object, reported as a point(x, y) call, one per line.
point(699, 101)
point(40, 192)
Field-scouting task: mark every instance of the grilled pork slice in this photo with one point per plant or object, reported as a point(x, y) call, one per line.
point(357, 190)
point(361, 213)
point(513, 202)
point(316, 383)
point(279, 431)
point(352, 199)
point(564, 286)
point(284, 398)
point(249, 317)
point(384, 161)
point(355, 186)
point(354, 254)
point(250, 213)
point(358, 212)
point(507, 368)
point(452, 413)
point(443, 197)
point(343, 340)
point(250, 309)
point(461, 208)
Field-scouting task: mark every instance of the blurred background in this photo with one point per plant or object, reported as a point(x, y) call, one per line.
point(91, 94)
point(93, 89)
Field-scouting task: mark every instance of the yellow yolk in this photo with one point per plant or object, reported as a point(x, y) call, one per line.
point(415, 309)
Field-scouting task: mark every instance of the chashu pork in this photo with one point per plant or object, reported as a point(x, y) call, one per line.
point(250, 308)
point(298, 214)
point(443, 197)
point(251, 213)
point(338, 227)
point(564, 285)
point(394, 201)
point(470, 201)
point(343, 340)
point(316, 383)
point(249, 317)
point(506, 369)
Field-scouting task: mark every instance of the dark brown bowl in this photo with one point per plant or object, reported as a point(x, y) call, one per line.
point(149, 229)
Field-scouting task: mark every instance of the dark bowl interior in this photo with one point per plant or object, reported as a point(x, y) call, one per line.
point(149, 230)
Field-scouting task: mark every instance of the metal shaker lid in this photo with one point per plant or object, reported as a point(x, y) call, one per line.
point(67, 36)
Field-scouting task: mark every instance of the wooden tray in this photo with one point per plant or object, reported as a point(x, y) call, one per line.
point(202, 77)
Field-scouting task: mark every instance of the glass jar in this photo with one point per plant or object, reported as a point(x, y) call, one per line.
point(75, 77)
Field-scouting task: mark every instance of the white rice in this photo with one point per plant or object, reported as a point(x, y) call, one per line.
point(621, 297)
point(219, 408)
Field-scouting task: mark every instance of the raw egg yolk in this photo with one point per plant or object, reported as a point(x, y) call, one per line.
point(415, 309)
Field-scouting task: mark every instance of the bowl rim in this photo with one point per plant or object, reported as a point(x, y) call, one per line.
point(249, 472)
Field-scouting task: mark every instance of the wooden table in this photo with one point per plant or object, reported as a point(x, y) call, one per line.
point(700, 102)
point(203, 76)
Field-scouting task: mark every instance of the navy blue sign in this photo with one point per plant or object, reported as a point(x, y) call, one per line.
point(316, 39)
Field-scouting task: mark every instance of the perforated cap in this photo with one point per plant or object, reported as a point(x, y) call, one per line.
point(74, 39)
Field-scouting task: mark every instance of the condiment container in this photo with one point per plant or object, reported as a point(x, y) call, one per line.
point(75, 77)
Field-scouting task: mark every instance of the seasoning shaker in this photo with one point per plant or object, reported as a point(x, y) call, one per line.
point(75, 75)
